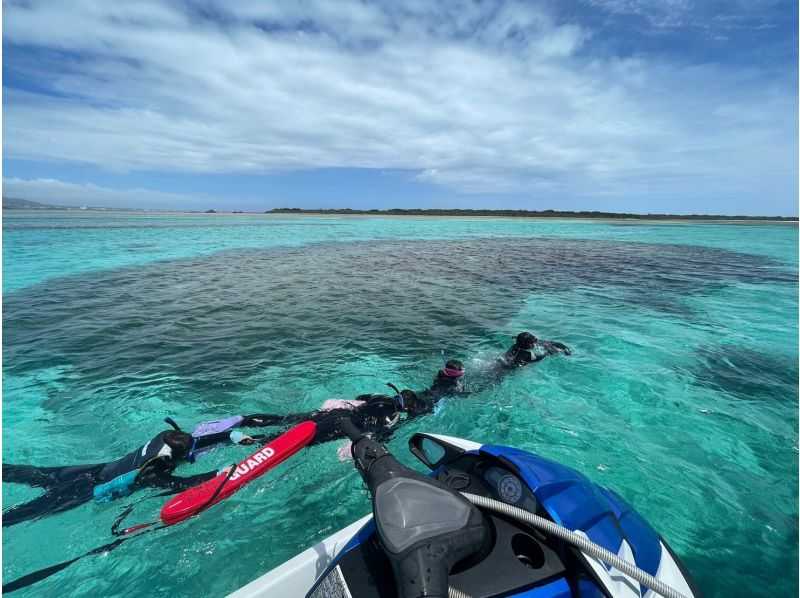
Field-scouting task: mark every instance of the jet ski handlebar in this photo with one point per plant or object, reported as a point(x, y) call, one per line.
point(421, 544)
point(350, 429)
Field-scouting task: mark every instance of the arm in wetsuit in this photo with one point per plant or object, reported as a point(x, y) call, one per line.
point(519, 356)
point(261, 420)
point(208, 435)
point(201, 442)
point(379, 416)
point(159, 474)
point(553, 347)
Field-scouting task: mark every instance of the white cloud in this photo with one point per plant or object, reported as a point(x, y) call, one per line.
point(665, 13)
point(473, 96)
point(700, 15)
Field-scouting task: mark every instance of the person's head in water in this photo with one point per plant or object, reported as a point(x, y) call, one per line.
point(452, 370)
point(180, 443)
point(525, 340)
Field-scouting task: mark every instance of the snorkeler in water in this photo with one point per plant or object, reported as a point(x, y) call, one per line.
point(150, 465)
point(448, 382)
point(375, 414)
point(448, 379)
point(522, 351)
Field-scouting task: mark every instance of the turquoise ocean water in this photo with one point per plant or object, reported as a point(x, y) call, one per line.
point(681, 393)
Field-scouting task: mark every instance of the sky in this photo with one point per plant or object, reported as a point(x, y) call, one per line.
point(668, 106)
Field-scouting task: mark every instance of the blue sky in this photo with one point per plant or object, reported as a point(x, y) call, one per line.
point(616, 105)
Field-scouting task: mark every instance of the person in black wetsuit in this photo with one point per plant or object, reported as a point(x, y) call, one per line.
point(521, 352)
point(378, 415)
point(447, 380)
point(375, 414)
point(152, 464)
point(447, 383)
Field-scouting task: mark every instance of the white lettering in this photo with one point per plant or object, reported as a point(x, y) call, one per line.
point(260, 457)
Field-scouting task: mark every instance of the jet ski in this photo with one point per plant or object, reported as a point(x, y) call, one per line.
point(487, 521)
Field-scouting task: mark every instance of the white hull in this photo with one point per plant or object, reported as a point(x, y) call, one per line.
point(294, 578)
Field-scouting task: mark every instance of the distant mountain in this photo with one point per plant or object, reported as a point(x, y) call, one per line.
point(16, 203)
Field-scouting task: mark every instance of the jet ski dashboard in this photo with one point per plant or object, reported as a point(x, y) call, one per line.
point(479, 553)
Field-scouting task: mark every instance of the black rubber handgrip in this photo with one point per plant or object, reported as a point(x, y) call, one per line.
point(350, 429)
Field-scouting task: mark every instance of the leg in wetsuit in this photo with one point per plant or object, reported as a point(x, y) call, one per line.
point(69, 486)
point(65, 488)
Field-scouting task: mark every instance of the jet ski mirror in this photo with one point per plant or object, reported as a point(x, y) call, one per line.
point(433, 451)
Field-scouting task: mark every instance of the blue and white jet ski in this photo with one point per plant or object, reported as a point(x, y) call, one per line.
point(487, 521)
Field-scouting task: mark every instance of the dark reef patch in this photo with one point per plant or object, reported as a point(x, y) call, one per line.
point(747, 374)
point(212, 321)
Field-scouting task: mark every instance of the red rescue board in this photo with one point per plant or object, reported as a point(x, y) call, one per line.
point(190, 501)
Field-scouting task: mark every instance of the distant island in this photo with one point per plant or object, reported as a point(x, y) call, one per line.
point(15, 203)
point(527, 214)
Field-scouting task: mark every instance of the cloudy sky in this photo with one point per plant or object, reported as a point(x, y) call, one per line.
point(668, 106)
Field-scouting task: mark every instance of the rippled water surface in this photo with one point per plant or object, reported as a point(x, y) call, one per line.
point(681, 393)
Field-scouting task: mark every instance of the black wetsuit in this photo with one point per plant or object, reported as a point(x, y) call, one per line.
point(379, 416)
point(69, 486)
point(517, 355)
point(521, 356)
point(442, 386)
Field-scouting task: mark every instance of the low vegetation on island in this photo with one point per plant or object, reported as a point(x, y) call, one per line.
point(524, 214)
